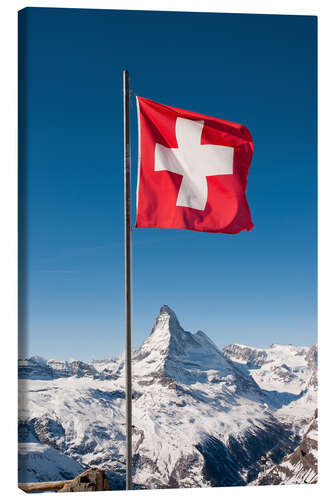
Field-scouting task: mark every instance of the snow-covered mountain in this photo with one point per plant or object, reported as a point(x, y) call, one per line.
point(299, 467)
point(288, 376)
point(202, 416)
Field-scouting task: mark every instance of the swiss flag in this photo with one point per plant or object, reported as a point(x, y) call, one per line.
point(192, 171)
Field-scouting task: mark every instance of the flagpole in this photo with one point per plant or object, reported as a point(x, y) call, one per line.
point(128, 277)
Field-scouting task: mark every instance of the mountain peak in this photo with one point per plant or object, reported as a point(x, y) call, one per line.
point(165, 332)
point(166, 310)
point(171, 350)
point(166, 327)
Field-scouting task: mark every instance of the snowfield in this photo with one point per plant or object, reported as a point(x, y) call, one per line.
point(202, 416)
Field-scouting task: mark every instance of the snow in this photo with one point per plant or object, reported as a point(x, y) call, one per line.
point(280, 367)
point(313, 434)
point(39, 462)
point(285, 373)
point(184, 388)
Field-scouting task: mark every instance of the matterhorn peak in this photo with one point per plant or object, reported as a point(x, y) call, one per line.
point(171, 350)
point(167, 313)
point(157, 347)
point(167, 319)
point(167, 310)
point(165, 329)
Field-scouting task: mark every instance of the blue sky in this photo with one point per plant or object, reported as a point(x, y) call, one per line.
point(254, 288)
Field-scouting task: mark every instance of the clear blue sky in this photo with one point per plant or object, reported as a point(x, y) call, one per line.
point(254, 288)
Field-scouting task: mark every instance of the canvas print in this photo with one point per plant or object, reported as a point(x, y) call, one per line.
point(167, 250)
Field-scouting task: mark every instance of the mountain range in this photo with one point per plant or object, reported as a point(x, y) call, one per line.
point(202, 416)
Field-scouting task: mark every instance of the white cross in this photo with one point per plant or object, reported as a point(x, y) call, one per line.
point(194, 161)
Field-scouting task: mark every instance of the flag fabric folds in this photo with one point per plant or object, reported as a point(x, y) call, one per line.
point(192, 171)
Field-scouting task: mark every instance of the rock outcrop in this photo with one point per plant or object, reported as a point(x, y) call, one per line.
point(91, 480)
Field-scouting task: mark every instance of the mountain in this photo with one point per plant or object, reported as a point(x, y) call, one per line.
point(201, 416)
point(299, 467)
point(38, 368)
point(39, 462)
point(288, 376)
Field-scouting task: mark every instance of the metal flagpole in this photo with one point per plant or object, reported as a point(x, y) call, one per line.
point(128, 278)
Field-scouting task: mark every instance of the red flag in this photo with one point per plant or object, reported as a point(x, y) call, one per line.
point(192, 171)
